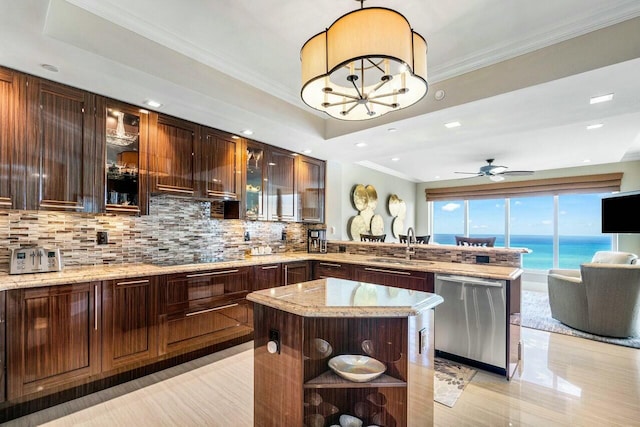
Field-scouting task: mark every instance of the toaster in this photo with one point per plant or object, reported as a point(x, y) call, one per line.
point(35, 260)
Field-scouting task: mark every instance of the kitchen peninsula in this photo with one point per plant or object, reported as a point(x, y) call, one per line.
point(299, 328)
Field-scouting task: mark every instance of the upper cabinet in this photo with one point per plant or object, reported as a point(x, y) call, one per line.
point(282, 189)
point(62, 164)
point(12, 147)
point(256, 181)
point(311, 184)
point(126, 158)
point(172, 155)
point(221, 165)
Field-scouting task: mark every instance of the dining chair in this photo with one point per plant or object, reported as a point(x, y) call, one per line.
point(419, 239)
point(372, 237)
point(475, 241)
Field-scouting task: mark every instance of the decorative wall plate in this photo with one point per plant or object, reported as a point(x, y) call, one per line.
point(360, 197)
point(366, 215)
point(403, 210)
point(397, 227)
point(373, 197)
point(357, 227)
point(394, 205)
point(377, 225)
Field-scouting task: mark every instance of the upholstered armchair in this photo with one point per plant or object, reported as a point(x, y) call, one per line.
point(602, 297)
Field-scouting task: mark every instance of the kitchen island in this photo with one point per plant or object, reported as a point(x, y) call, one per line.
point(299, 328)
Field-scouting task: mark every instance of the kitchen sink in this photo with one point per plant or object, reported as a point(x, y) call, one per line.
point(399, 261)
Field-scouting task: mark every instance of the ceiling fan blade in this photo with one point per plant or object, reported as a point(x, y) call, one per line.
point(470, 173)
point(517, 173)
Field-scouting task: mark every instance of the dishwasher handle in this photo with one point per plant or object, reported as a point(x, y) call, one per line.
point(477, 281)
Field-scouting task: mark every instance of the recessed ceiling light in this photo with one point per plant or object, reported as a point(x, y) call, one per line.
point(586, 161)
point(247, 132)
point(307, 151)
point(50, 67)
point(143, 111)
point(595, 126)
point(235, 137)
point(153, 104)
point(361, 144)
point(437, 177)
point(451, 125)
point(395, 159)
point(602, 98)
point(392, 130)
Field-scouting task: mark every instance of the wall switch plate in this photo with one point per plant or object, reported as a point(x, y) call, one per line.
point(274, 337)
point(342, 249)
point(283, 237)
point(482, 259)
point(247, 237)
point(103, 238)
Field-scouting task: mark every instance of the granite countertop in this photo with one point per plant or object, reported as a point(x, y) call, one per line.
point(338, 297)
point(123, 271)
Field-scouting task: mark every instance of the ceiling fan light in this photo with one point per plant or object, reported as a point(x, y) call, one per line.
point(496, 178)
point(367, 63)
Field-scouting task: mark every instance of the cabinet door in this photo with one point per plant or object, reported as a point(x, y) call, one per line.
point(311, 174)
point(130, 314)
point(12, 147)
point(53, 337)
point(62, 163)
point(296, 272)
point(255, 191)
point(220, 155)
point(124, 130)
point(282, 194)
point(172, 160)
point(266, 276)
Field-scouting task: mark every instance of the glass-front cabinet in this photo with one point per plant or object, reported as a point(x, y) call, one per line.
point(256, 182)
point(126, 129)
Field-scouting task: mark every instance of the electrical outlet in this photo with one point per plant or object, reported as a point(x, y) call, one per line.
point(283, 237)
point(247, 237)
point(103, 238)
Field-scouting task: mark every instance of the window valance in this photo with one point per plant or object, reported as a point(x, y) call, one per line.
point(601, 183)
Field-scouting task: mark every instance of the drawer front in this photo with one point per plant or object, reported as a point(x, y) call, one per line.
point(207, 321)
point(331, 269)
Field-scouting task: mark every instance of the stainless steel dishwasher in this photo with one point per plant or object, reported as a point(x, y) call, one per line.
point(471, 323)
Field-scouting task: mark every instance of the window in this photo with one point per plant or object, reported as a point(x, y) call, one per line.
point(448, 220)
point(561, 231)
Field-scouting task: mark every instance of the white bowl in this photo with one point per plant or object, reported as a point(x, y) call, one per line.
point(357, 368)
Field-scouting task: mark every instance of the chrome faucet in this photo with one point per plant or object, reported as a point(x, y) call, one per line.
point(411, 235)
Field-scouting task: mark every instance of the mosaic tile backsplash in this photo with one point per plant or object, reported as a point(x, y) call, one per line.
point(176, 229)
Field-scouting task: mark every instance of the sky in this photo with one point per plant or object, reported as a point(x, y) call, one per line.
point(579, 215)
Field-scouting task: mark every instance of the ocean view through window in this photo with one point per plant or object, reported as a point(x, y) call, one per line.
point(561, 231)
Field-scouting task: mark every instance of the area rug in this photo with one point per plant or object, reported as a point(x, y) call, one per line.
point(450, 380)
point(536, 314)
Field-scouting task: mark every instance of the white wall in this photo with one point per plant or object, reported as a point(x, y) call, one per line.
point(342, 177)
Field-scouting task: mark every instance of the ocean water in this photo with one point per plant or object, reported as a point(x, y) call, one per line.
point(573, 251)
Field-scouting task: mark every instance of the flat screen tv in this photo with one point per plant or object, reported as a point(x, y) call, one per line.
point(621, 213)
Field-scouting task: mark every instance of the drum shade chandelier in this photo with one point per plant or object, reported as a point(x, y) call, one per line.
point(367, 63)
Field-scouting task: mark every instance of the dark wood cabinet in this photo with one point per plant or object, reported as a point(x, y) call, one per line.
point(62, 164)
point(130, 321)
point(266, 276)
point(12, 135)
point(406, 279)
point(172, 163)
point(3, 354)
point(53, 337)
point(296, 272)
point(122, 138)
point(282, 197)
point(322, 270)
point(203, 308)
point(255, 191)
point(221, 165)
point(311, 186)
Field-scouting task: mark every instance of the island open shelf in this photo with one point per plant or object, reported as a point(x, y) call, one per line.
point(307, 324)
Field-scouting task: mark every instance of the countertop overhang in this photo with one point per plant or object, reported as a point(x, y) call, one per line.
point(345, 298)
point(83, 274)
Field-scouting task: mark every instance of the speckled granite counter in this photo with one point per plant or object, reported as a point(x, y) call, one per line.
point(338, 297)
point(112, 272)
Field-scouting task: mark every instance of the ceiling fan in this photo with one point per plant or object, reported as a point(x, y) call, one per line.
point(496, 173)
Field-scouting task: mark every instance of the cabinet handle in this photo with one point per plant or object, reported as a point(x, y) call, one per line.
point(133, 282)
point(382, 270)
point(271, 267)
point(195, 313)
point(286, 274)
point(212, 273)
point(328, 264)
point(176, 189)
point(95, 307)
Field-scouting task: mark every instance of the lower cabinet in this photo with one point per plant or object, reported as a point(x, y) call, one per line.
point(406, 279)
point(322, 270)
point(296, 272)
point(129, 321)
point(53, 337)
point(266, 276)
point(203, 308)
